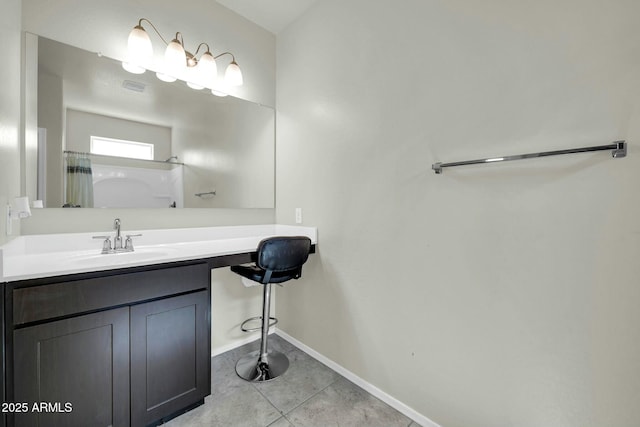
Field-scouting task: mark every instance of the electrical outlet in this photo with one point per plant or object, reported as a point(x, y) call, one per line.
point(298, 215)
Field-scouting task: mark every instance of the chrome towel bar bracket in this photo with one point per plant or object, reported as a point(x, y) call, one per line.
point(618, 149)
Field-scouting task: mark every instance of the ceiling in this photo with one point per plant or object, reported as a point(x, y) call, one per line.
point(273, 15)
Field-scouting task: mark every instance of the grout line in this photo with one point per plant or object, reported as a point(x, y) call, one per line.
point(267, 399)
point(367, 386)
point(284, 414)
point(311, 397)
point(414, 417)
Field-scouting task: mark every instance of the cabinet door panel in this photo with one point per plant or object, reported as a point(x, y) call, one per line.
point(77, 369)
point(170, 356)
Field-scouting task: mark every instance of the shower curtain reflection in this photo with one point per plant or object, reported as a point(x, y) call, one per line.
point(79, 181)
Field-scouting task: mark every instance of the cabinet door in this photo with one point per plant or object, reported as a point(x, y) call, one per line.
point(76, 371)
point(170, 356)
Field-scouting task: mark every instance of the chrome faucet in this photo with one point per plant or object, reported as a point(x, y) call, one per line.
point(117, 240)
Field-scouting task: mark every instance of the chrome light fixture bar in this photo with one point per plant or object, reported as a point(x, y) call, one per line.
point(178, 63)
point(619, 149)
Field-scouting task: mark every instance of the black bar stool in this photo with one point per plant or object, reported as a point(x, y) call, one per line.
point(279, 259)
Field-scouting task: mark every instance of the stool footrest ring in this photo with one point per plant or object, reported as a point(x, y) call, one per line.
point(272, 322)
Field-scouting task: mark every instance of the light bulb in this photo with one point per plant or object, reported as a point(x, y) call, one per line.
point(233, 75)
point(192, 61)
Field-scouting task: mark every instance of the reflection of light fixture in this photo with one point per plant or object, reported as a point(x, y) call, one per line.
point(178, 62)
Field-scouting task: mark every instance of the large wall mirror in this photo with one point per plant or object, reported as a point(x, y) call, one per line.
point(167, 145)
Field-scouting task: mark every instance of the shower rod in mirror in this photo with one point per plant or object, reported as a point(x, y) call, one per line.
point(619, 149)
point(87, 154)
point(179, 63)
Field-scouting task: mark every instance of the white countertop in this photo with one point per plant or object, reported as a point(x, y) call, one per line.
point(46, 255)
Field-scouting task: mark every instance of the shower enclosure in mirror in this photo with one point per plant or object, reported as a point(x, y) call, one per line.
point(108, 138)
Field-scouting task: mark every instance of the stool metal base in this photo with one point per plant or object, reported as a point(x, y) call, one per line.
point(256, 369)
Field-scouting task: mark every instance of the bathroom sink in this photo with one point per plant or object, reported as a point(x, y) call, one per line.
point(140, 254)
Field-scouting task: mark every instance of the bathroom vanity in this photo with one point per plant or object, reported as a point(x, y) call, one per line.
point(118, 339)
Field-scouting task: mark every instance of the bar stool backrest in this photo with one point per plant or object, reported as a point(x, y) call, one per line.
point(282, 254)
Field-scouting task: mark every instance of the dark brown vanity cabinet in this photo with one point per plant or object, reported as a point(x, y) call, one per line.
point(80, 364)
point(170, 369)
point(125, 348)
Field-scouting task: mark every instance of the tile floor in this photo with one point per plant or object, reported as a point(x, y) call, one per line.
point(308, 394)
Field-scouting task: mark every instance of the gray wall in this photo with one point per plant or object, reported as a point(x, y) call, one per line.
point(496, 295)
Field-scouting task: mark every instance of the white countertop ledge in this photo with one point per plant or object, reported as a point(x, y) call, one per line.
point(47, 255)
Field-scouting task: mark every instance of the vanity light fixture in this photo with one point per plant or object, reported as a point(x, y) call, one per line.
point(199, 73)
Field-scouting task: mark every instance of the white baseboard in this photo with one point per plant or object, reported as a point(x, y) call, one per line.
point(235, 344)
point(370, 388)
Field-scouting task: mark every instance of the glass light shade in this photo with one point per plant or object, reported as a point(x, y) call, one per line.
point(133, 68)
point(207, 69)
point(221, 88)
point(139, 51)
point(204, 74)
point(233, 75)
point(175, 60)
point(166, 77)
point(139, 44)
point(194, 86)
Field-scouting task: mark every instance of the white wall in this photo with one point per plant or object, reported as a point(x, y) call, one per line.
point(9, 111)
point(493, 295)
point(50, 115)
point(82, 125)
point(229, 150)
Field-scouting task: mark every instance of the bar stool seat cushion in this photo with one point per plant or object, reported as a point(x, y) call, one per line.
point(255, 273)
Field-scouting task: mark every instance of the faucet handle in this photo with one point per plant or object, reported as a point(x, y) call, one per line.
point(128, 243)
point(106, 245)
